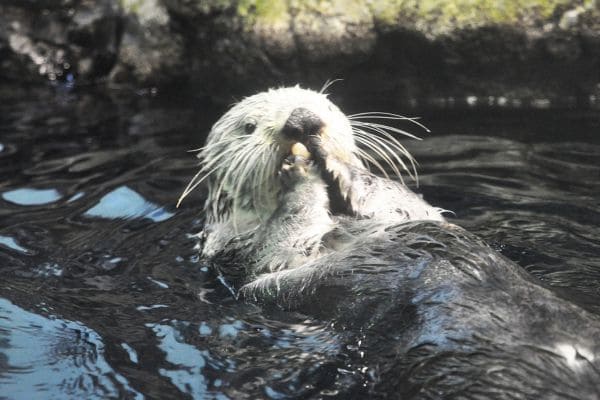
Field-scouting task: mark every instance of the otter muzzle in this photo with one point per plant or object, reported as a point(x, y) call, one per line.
point(302, 124)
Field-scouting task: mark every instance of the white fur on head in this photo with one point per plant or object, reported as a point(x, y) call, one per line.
point(244, 149)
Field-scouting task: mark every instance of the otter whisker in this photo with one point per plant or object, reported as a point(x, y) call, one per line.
point(370, 143)
point(218, 158)
point(216, 195)
point(245, 165)
point(268, 173)
point(202, 174)
point(391, 141)
point(381, 147)
point(256, 182)
point(258, 168)
point(384, 146)
point(387, 128)
point(222, 142)
point(371, 160)
point(328, 84)
point(394, 143)
point(249, 166)
point(387, 116)
point(194, 183)
point(196, 180)
point(362, 154)
point(383, 134)
point(225, 177)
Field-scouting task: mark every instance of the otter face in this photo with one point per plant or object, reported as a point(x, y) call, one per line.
point(248, 145)
point(281, 117)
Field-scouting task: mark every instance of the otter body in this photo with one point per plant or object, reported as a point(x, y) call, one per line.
point(295, 217)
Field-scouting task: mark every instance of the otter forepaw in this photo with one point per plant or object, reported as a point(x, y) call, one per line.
point(294, 169)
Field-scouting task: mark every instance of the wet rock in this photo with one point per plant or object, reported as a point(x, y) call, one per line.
point(46, 40)
point(150, 52)
point(570, 18)
point(400, 50)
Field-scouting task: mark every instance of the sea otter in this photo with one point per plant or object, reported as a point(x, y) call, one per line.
point(295, 217)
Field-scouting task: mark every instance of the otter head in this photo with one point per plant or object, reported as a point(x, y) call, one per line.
point(247, 146)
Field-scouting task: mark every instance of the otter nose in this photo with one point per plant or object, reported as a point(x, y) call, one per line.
point(301, 124)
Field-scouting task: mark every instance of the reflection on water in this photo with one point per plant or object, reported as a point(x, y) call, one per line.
point(102, 292)
point(123, 202)
point(31, 197)
point(51, 358)
point(12, 244)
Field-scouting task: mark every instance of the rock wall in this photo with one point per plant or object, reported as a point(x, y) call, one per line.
point(388, 49)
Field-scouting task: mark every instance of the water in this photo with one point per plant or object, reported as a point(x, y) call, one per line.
point(102, 294)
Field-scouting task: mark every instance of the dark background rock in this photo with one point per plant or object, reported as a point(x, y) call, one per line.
point(58, 40)
point(387, 52)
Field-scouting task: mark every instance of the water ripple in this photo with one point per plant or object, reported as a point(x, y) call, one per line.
point(59, 358)
point(103, 294)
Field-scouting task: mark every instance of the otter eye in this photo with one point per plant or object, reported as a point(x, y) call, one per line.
point(249, 127)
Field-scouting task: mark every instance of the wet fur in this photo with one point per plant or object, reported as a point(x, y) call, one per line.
point(446, 316)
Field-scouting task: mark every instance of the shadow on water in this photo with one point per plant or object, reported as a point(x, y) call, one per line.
point(103, 295)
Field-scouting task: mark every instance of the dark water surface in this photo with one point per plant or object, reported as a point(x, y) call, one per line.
point(102, 294)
